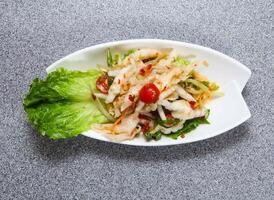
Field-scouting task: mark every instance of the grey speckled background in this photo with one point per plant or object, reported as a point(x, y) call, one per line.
point(236, 165)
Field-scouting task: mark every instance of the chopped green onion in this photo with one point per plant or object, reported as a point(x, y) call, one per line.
point(109, 58)
point(214, 86)
point(153, 136)
point(207, 112)
point(116, 59)
point(206, 83)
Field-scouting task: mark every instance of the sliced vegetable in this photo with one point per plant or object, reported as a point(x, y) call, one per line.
point(169, 122)
point(198, 84)
point(103, 110)
point(207, 112)
point(206, 83)
point(213, 86)
point(115, 59)
point(218, 94)
point(109, 58)
point(153, 136)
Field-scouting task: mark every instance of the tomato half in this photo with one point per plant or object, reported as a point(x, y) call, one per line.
point(149, 93)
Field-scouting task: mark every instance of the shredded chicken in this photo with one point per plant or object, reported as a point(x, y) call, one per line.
point(177, 101)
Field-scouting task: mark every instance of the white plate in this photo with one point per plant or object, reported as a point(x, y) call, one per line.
point(227, 112)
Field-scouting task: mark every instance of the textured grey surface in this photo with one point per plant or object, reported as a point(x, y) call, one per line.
point(236, 165)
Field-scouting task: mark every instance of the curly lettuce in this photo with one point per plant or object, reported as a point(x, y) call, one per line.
point(61, 105)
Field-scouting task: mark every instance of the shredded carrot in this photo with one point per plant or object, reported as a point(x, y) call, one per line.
point(116, 123)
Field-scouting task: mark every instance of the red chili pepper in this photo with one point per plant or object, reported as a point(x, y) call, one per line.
point(146, 127)
point(146, 70)
point(193, 104)
point(169, 116)
point(149, 67)
point(131, 97)
point(102, 84)
point(143, 117)
point(142, 72)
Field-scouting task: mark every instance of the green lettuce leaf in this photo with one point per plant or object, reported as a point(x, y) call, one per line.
point(61, 105)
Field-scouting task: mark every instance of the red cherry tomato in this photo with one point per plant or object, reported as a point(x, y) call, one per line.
point(149, 93)
point(102, 84)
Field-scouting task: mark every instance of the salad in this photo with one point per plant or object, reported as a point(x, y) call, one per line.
point(143, 92)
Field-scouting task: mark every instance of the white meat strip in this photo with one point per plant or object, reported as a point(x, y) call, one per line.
point(117, 112)
point(119, 137)
point(168, 61)
point(172, 97)
point(167, 77)
point(139, 106)
point(132, 91)
point(166, 93)
point(173, 128)
point(144, 54)
point(128, 124)
point(179, 105)
point(182, 93)
point(114, 73)
point(115, 88)
point(186, 73)
point(161, 112)
point(149, 107)
point(102, 128)
point(188, 115)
